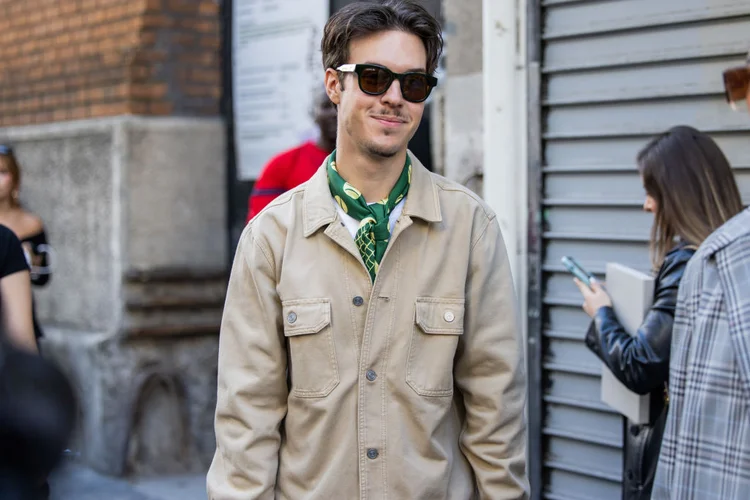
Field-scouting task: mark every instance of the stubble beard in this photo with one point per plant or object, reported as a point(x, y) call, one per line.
point(375, 150)
point(381, 152)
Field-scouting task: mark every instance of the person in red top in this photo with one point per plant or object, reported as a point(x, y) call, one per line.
point(295, 166)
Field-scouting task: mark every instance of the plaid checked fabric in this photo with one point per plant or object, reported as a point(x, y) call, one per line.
point(706, 448)
point(373, 234)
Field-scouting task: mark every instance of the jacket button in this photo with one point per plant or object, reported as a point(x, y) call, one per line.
point(291, 317)
point(449, 316)
point(635, 430)
point(372, 453)
point(358, 301)
point(371, 375)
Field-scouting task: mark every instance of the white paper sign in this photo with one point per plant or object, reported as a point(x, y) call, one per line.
point(276, 74)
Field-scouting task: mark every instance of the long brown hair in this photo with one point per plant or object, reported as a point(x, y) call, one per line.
point(8, 159)
point(690, 179)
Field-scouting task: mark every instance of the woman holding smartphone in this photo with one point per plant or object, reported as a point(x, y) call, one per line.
point(691, 191)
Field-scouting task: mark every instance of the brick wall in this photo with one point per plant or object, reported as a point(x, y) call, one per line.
point(74, 59)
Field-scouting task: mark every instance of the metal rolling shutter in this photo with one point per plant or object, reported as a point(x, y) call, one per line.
point(614, 73)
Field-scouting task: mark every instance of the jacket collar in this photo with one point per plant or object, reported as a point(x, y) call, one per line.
point(422, 201)
point(726, 234)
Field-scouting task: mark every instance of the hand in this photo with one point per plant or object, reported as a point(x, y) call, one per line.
point(594, 298)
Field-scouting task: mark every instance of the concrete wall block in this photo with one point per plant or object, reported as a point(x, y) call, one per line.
point(200, 318)
point(147, 406)
point(464, 125)
point(68, 182)
point(135, 209)
point(463, 36)
point(176, 293)
point(175, 178)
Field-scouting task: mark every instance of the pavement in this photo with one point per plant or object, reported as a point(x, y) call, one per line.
point(76, 482)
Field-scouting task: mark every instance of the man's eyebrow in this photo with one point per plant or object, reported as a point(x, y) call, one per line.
point(411, 70)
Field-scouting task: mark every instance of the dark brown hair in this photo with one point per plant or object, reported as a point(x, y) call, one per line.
point(360, 19)
point(8, 159)
point(690, 179)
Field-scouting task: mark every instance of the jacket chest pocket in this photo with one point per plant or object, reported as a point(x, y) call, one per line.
point(438, 324)
point(313, 368)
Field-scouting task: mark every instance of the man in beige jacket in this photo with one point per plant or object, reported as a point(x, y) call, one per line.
point(370, 345)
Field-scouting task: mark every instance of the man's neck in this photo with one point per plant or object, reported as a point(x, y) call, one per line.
point(374, 177)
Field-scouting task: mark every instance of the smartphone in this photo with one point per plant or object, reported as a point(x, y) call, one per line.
point(578, 270)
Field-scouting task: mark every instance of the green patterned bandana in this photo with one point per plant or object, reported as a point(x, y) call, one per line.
point(374, 225)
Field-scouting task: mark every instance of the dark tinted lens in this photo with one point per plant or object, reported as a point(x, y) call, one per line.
point(415, 87)
point(736, 82)
point(374, 80)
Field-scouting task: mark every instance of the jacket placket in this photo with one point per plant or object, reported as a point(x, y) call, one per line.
point(373, 356)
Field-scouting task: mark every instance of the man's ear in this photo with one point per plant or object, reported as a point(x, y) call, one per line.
point(333, 86)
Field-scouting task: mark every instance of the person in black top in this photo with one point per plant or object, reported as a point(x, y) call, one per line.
point(37, 402)
point(27, 226)
point(15, 293)
point(691, 191)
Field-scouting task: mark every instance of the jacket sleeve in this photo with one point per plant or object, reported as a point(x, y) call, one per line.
point(734, 274)
point(641, 361)
point(490, 373)
point(252, 388)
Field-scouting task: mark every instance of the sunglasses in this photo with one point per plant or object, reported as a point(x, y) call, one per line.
point(5, 150)
point(376, 80)
point(736, 83)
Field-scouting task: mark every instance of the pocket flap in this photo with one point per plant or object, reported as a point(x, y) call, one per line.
point(440, 316)
point(305, 316)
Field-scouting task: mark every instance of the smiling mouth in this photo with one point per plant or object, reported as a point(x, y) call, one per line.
point(389, 121)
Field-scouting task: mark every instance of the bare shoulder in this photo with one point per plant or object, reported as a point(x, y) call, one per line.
point(30, 224)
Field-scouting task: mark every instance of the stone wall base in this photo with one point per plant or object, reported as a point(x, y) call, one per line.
point(146, 405)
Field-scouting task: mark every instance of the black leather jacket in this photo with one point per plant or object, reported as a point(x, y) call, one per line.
point(641, 363)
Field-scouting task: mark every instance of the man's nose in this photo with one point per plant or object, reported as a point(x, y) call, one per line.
point(393, 95)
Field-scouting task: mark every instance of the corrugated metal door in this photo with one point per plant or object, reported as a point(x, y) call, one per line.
point(614, 73)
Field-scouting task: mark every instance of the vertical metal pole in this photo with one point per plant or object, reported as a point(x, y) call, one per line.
point(535, 320)
point(227, 114)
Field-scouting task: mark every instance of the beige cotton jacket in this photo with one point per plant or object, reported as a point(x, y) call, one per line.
point(332, 387)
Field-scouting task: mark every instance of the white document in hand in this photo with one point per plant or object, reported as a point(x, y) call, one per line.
point(632, 294)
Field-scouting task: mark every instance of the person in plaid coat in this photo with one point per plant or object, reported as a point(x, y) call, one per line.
point(706, 449)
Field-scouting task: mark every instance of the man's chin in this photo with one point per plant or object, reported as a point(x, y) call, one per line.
point(383, 148)
point(383, 151)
